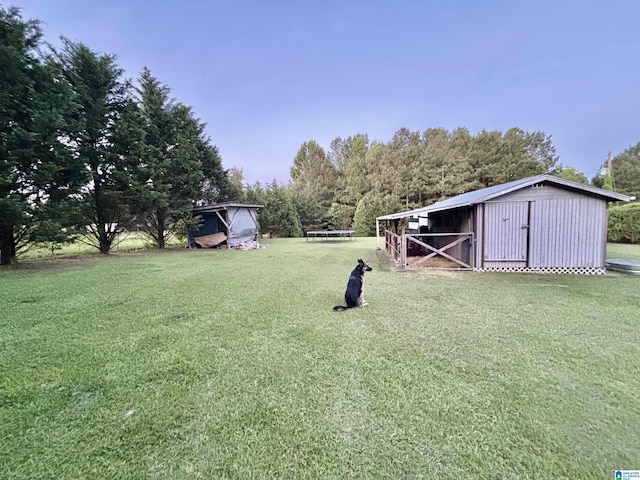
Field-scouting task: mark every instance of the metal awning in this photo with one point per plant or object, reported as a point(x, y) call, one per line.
point(216, 207)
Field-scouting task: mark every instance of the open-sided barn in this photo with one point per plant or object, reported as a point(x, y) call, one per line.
point(229, 224)
point(542, 223)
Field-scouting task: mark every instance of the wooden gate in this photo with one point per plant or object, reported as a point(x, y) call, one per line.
point(448, 251)
point(455, 247)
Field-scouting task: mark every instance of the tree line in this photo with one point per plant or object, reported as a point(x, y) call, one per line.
point(86, 154)
point(356, 180)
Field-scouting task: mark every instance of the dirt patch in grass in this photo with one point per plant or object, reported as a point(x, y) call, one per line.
point(433, 262)
point(435, 266)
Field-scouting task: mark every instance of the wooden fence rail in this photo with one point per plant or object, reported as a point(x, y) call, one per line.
point(397, 246)
point(392, 245)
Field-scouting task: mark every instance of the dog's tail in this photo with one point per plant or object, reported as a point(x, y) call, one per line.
point(340, 308)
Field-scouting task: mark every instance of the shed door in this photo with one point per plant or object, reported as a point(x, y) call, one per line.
point(506, 227)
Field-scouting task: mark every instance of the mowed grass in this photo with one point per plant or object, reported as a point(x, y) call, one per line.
point(620, 250)
point(232, 364)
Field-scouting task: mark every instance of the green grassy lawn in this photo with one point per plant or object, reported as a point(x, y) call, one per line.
point(232, 364)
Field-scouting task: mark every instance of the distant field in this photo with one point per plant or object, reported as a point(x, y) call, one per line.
point(232, 364)
point(126, 243)
point(618, 250)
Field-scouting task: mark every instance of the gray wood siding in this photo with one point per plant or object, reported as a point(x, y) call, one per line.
point(539, 193)
point(568, 232)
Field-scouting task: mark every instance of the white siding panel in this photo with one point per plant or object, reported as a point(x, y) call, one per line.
point(243, 226)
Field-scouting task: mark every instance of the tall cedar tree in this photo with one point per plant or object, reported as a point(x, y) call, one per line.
point(37, 174)
point(178, 166)
point(153, 202)
point(106, 137)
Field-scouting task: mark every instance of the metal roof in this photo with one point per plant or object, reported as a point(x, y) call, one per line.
point(485, 194)
point(216, 207)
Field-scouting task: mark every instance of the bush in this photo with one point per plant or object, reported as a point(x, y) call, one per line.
point(624, 223)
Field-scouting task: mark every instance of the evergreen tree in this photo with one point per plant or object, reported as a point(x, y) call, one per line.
point(38, 176)
point(106, 137)
point(178, 165)
point(431, 166)
point(313, 173)
point(348, 157)
point(313, 182)
point(311, 211)
point(150, 198)
point(368, 209)
point(415, 170)
point(400, 159)
point(278, 217)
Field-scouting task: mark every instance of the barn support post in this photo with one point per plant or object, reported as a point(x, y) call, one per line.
point(378, 234)
point(231, 214)
point(403, 248)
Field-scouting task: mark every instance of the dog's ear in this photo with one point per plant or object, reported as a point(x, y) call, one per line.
point(360, 262)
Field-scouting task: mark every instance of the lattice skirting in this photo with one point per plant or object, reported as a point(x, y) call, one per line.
point(557, 270)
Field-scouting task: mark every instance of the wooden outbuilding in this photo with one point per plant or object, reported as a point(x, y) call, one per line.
point(536, 224)
point(232, 225)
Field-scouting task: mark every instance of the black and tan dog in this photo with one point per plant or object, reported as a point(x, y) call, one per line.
point(354, 296)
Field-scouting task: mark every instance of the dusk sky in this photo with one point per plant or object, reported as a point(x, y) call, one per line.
point(267, 76)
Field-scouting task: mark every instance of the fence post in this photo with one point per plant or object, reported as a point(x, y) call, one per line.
point(403, 251)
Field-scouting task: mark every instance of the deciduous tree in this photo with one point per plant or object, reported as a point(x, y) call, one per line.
point(625, 174)
point(570, 173)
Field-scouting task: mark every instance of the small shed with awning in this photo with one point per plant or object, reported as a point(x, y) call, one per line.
point(536, 224)
point(225, 224)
